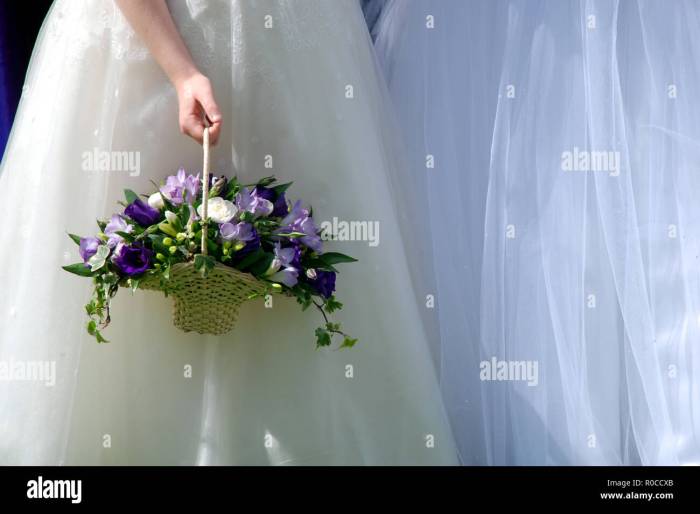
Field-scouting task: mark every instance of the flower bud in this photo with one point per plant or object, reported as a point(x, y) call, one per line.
point(168, 229)
point(172, 249)
point(273, 268)
point(167, 241)
point(181, 236)
point(160, 256)
point(156, 201)
point(311, 273)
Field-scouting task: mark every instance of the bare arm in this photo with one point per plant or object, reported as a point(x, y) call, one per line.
point(152, 22)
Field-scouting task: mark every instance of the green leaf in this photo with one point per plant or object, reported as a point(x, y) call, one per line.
point(262, 265)
point(183, 214)
point(79, 269)
point(250, 259)
point(130, 196)
point(348, 342)
point(323, 338)
point(246, 216)
point(76, 239)
point(93, 331)
point(110, 278)
point(129, 238)
point(292, 235)
point(98, 260)
point(318, 264)
point(331, 258)
point(266, 181)
point(204, 263)
point(281, 188)
point(332, 305)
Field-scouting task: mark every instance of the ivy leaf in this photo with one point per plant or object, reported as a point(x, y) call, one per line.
point(323, 337)
point(204, 264)
point(332, 305)
point(79, 269)
point(98, 260)
point(348, 342)
point(110, 278)
point(93, 331)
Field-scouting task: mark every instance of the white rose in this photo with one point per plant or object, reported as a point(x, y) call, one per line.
point(156, 201)
point(219, 210)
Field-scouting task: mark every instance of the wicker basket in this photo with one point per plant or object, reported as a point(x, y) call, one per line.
point(206, 304)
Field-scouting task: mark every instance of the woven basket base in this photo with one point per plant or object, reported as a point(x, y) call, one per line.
point(206, 305)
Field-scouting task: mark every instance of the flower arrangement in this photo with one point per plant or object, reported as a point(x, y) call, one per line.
point(251, 228)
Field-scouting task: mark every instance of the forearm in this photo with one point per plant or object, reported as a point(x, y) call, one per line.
point(152, 21)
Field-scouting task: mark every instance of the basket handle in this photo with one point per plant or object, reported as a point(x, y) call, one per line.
point(205, 189)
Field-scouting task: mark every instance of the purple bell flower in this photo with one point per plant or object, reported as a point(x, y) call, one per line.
point(116, 224)
point(279, 202)
point(243, 232)
point(324, 283)
point(251, 245)
point(251, 201)
point(298, 220)
point(88, 247)
point(287, 276)
point(132, 260)
point(142, 213)
point(181, 187)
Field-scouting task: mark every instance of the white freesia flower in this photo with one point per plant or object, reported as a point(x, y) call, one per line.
point(156, 201)
point(171, 216)
point(219, 210)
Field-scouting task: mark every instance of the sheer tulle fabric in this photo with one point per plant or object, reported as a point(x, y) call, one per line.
point(261, 394)
point(591, 274)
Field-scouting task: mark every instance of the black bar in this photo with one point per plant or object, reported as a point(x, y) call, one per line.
point(232, 486)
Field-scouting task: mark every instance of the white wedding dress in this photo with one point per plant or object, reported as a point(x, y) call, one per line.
point(283, 72)
point(591, 274)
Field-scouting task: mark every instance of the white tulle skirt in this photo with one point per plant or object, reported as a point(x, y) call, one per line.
point(297, 85)
point(588, 269)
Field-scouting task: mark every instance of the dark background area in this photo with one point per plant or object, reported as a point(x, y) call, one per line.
point(20, 21)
